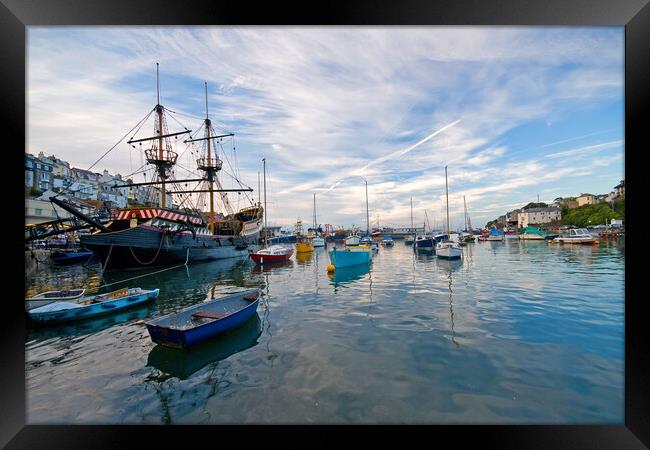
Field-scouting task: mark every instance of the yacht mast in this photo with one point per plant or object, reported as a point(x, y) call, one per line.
point(314, 211)
point(412, 228)
point(447, 194)
point(465, 208)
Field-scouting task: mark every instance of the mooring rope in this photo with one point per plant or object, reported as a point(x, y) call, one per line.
point(187, 257)
point(162, 238)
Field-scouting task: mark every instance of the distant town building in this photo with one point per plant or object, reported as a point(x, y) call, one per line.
point(620, 189)
point(601, 198)
point(512, 218)
point(538, 216)
point(38, 173)
point(585, 199)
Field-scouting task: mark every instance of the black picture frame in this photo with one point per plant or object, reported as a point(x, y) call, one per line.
point(15, 15)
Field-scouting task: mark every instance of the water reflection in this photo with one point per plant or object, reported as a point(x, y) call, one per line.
point(304, 257)
point(268, 267)
point(450, 266)
point(183, 364)
point(349, 274)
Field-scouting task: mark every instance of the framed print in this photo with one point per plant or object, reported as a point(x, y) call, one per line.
point(406, 218)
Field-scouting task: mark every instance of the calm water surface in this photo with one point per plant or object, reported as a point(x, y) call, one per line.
point(518, 332)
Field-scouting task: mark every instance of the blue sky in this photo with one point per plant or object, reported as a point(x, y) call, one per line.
point(512, 111)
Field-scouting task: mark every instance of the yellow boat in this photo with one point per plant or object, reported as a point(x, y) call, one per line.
point(304, 245)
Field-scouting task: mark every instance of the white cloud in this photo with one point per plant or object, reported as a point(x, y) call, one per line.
point(320, 103)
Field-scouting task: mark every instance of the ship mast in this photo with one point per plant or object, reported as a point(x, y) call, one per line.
point(210, 182)
point(162, 158)
point(209, 164)
point(412, 228)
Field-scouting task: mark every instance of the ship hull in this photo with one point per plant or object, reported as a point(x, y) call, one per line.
point(150, 246)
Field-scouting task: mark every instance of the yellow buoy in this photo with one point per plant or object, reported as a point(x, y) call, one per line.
point(331, 268)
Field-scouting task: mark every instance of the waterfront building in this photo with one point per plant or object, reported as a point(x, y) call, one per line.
point(38, 173)
point(620, 189)
point(538, 216)
point(512, 218)
point(60, 168)
point(115, 196)
point(585, 199)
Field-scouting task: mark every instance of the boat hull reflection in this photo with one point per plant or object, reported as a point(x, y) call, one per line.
point(183, 364)
point(349, 274)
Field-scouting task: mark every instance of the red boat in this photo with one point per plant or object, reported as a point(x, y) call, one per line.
point(274, 253)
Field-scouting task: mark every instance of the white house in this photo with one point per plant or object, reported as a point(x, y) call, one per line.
point(538, 216)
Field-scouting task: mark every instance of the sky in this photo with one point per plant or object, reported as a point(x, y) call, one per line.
point(513, 112)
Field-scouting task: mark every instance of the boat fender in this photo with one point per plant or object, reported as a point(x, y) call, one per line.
point(331, 268)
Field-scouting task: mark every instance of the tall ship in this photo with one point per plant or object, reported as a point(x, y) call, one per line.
point(161, 234)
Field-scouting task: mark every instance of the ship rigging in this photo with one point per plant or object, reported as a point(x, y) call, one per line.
point(158, 230)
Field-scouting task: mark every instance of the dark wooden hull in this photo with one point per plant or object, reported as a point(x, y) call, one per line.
point(150, 246)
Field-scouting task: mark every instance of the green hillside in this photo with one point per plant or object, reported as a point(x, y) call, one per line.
point(590, 215)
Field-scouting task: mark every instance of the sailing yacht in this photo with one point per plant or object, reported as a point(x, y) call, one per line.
point(448, 249)
point(409, 239)
point(317, 241)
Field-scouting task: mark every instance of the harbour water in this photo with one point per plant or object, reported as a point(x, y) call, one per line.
point(516, 332)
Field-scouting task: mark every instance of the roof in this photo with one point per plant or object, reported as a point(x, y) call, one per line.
point(541, 210)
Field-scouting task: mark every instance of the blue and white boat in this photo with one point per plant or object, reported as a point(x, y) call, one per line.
point(448, 248)
point(201, 322)
point(350, 256)
point(353, 239)
point(92, 306)
point(495, 235)
point(387, 241)
point(371, 243)
point(71, 256)
point(424, 242)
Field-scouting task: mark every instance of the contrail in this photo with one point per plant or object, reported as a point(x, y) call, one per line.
point(394, 155)
point(399, 153)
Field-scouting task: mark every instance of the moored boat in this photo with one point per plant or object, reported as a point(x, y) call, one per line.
point(449, 248)
point(353, 239)
point(350, 256)
point(45, 298)
point(424, 242)
point(156, 233)
point(532, 233)
point(71, 256)
point(576, 236)
point(91, 306)
point(274, 253)
point(201, 322)
point(317, 240)
point(387, 241)
point(370, 242)
point(304, 245)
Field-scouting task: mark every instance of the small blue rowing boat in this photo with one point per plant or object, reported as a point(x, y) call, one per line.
point(205, 320)
point(96, 305)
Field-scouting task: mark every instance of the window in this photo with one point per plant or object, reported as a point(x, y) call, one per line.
point(39, 211)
